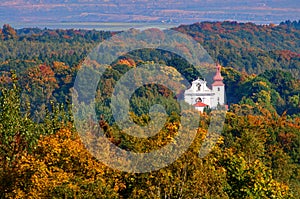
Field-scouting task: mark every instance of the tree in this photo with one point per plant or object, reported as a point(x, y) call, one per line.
point(61, 167)
point(251, 180)
point(17, 134)
point(8, 32)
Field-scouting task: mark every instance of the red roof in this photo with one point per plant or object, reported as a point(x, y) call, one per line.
point(200, 104)
point(218, 77)
point(218, 83)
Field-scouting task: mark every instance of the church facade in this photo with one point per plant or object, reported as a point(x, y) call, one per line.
point(201, 96)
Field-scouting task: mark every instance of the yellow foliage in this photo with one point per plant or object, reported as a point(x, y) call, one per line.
point(61, 162)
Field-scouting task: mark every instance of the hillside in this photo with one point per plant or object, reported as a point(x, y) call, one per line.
point(245, 47)
point(249, 47)
point(43, 154)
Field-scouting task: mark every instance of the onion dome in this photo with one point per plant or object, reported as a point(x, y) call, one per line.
point(218, 79)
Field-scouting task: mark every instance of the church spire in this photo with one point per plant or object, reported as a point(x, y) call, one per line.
point(218, 79)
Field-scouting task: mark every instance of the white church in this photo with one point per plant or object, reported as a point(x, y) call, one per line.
point(200, 96)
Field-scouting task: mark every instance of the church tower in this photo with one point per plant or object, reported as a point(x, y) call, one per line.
point(218, 88)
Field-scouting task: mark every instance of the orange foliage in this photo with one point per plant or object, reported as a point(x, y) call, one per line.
point(127, 61)
point(287, 54)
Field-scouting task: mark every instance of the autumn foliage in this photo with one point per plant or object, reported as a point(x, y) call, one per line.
point(257, 155)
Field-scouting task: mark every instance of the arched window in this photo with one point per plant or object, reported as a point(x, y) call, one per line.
point(198, 99)
point(218, 88)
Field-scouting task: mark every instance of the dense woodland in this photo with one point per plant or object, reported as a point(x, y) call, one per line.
point(257, 156)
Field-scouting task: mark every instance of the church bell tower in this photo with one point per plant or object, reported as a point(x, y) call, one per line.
point(218, 88)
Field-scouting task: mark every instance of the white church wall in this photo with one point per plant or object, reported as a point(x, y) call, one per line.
point(219, 96)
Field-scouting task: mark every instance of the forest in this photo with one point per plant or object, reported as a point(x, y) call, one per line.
point(257, 155)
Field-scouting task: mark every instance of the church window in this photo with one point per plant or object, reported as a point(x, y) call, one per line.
point(218, 88)
point(198, 99)
point(199, 86)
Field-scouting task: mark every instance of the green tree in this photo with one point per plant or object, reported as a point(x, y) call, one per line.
point(17, 134)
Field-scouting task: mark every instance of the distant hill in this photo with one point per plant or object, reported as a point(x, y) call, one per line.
point(164, 11)
point(244, 46)
point(249, 47)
